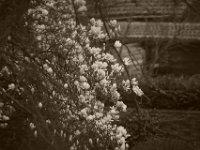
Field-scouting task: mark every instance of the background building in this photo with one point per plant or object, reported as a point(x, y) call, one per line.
point(165, 33)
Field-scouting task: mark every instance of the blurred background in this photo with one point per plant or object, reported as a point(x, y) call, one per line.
point(162, 40)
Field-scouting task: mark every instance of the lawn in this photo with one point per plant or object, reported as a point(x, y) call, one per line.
point(178, 129)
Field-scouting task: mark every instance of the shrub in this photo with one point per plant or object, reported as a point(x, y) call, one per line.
point(172, 92)
point(57, 80)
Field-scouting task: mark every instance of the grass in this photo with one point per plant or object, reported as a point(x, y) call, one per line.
point(181, 131)
point(164, 144)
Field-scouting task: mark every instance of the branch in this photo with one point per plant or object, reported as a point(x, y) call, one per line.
point(119, 56)
point(191, 7)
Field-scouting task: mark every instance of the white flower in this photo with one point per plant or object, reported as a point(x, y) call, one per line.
point(39, 37)
point(40, 105)
point(32, 126)
point(82, 98)
point(83, 68)
point(134, 82)
point(65, 85)
point(83, 79)
point(77, 132)
point(6, 70)
point(137, 91)
point(122, 142)
point(99, 23)
point(121, 130)
point(80, 58)
point(90, 141)
point(126, 85)
point(99, 114)
point(49, 70)
point(9, 38)
point(83, 112)
point(113, 23)
point(44, 11)
point(48, 121)
point(40, 27)
point(85, 85)
point(82, 9)
point(90, 117)
point(35, 133)
point(95, 30)
point(99, 65)
point(117, 44)
point(117, 68)
point(45, 66)
point(11, 86)
point(121, 105)
point(94, 50)
point(92, 21)
point(109, 57)
point(127, 61)
point(115, 95)
point(72, 148)
point(4, 117)
point(101, 73)
point(76, 83)
point(104, 82)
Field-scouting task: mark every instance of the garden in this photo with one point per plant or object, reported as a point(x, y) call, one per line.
point(65, 85)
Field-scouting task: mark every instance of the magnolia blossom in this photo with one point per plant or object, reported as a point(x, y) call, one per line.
point(115, 95)
point(95, 50)
point(109, 57)
point(99, 65)
point(117, 68)
point(35, 133)
point(65, 85)
point(85, 85)
point(83, 79)
point(82, 9)
point(40, 105)
point(117, 44)
point(104, 82)
point(134, 82)
point(101, 73)
point(83, 68)
point(121, 105)
point(126, 85)
point(127, 61)
point(32, 126)
point(137, 91)
point(113, 23)
point(50, 70)
point(84, 112)
point(90, 117)
point(4, 117)
point(11, 86)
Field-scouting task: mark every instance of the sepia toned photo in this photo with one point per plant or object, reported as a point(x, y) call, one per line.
point(99, 74)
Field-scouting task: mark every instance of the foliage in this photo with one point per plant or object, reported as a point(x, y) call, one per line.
point(140, 127)
point(163, 144)
point(172, 92)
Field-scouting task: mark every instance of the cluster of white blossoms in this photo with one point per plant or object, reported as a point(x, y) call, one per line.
point(80, 78)
point(134, 84)
point(3, 117)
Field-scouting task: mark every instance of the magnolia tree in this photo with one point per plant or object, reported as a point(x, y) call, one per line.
point(63, 82)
